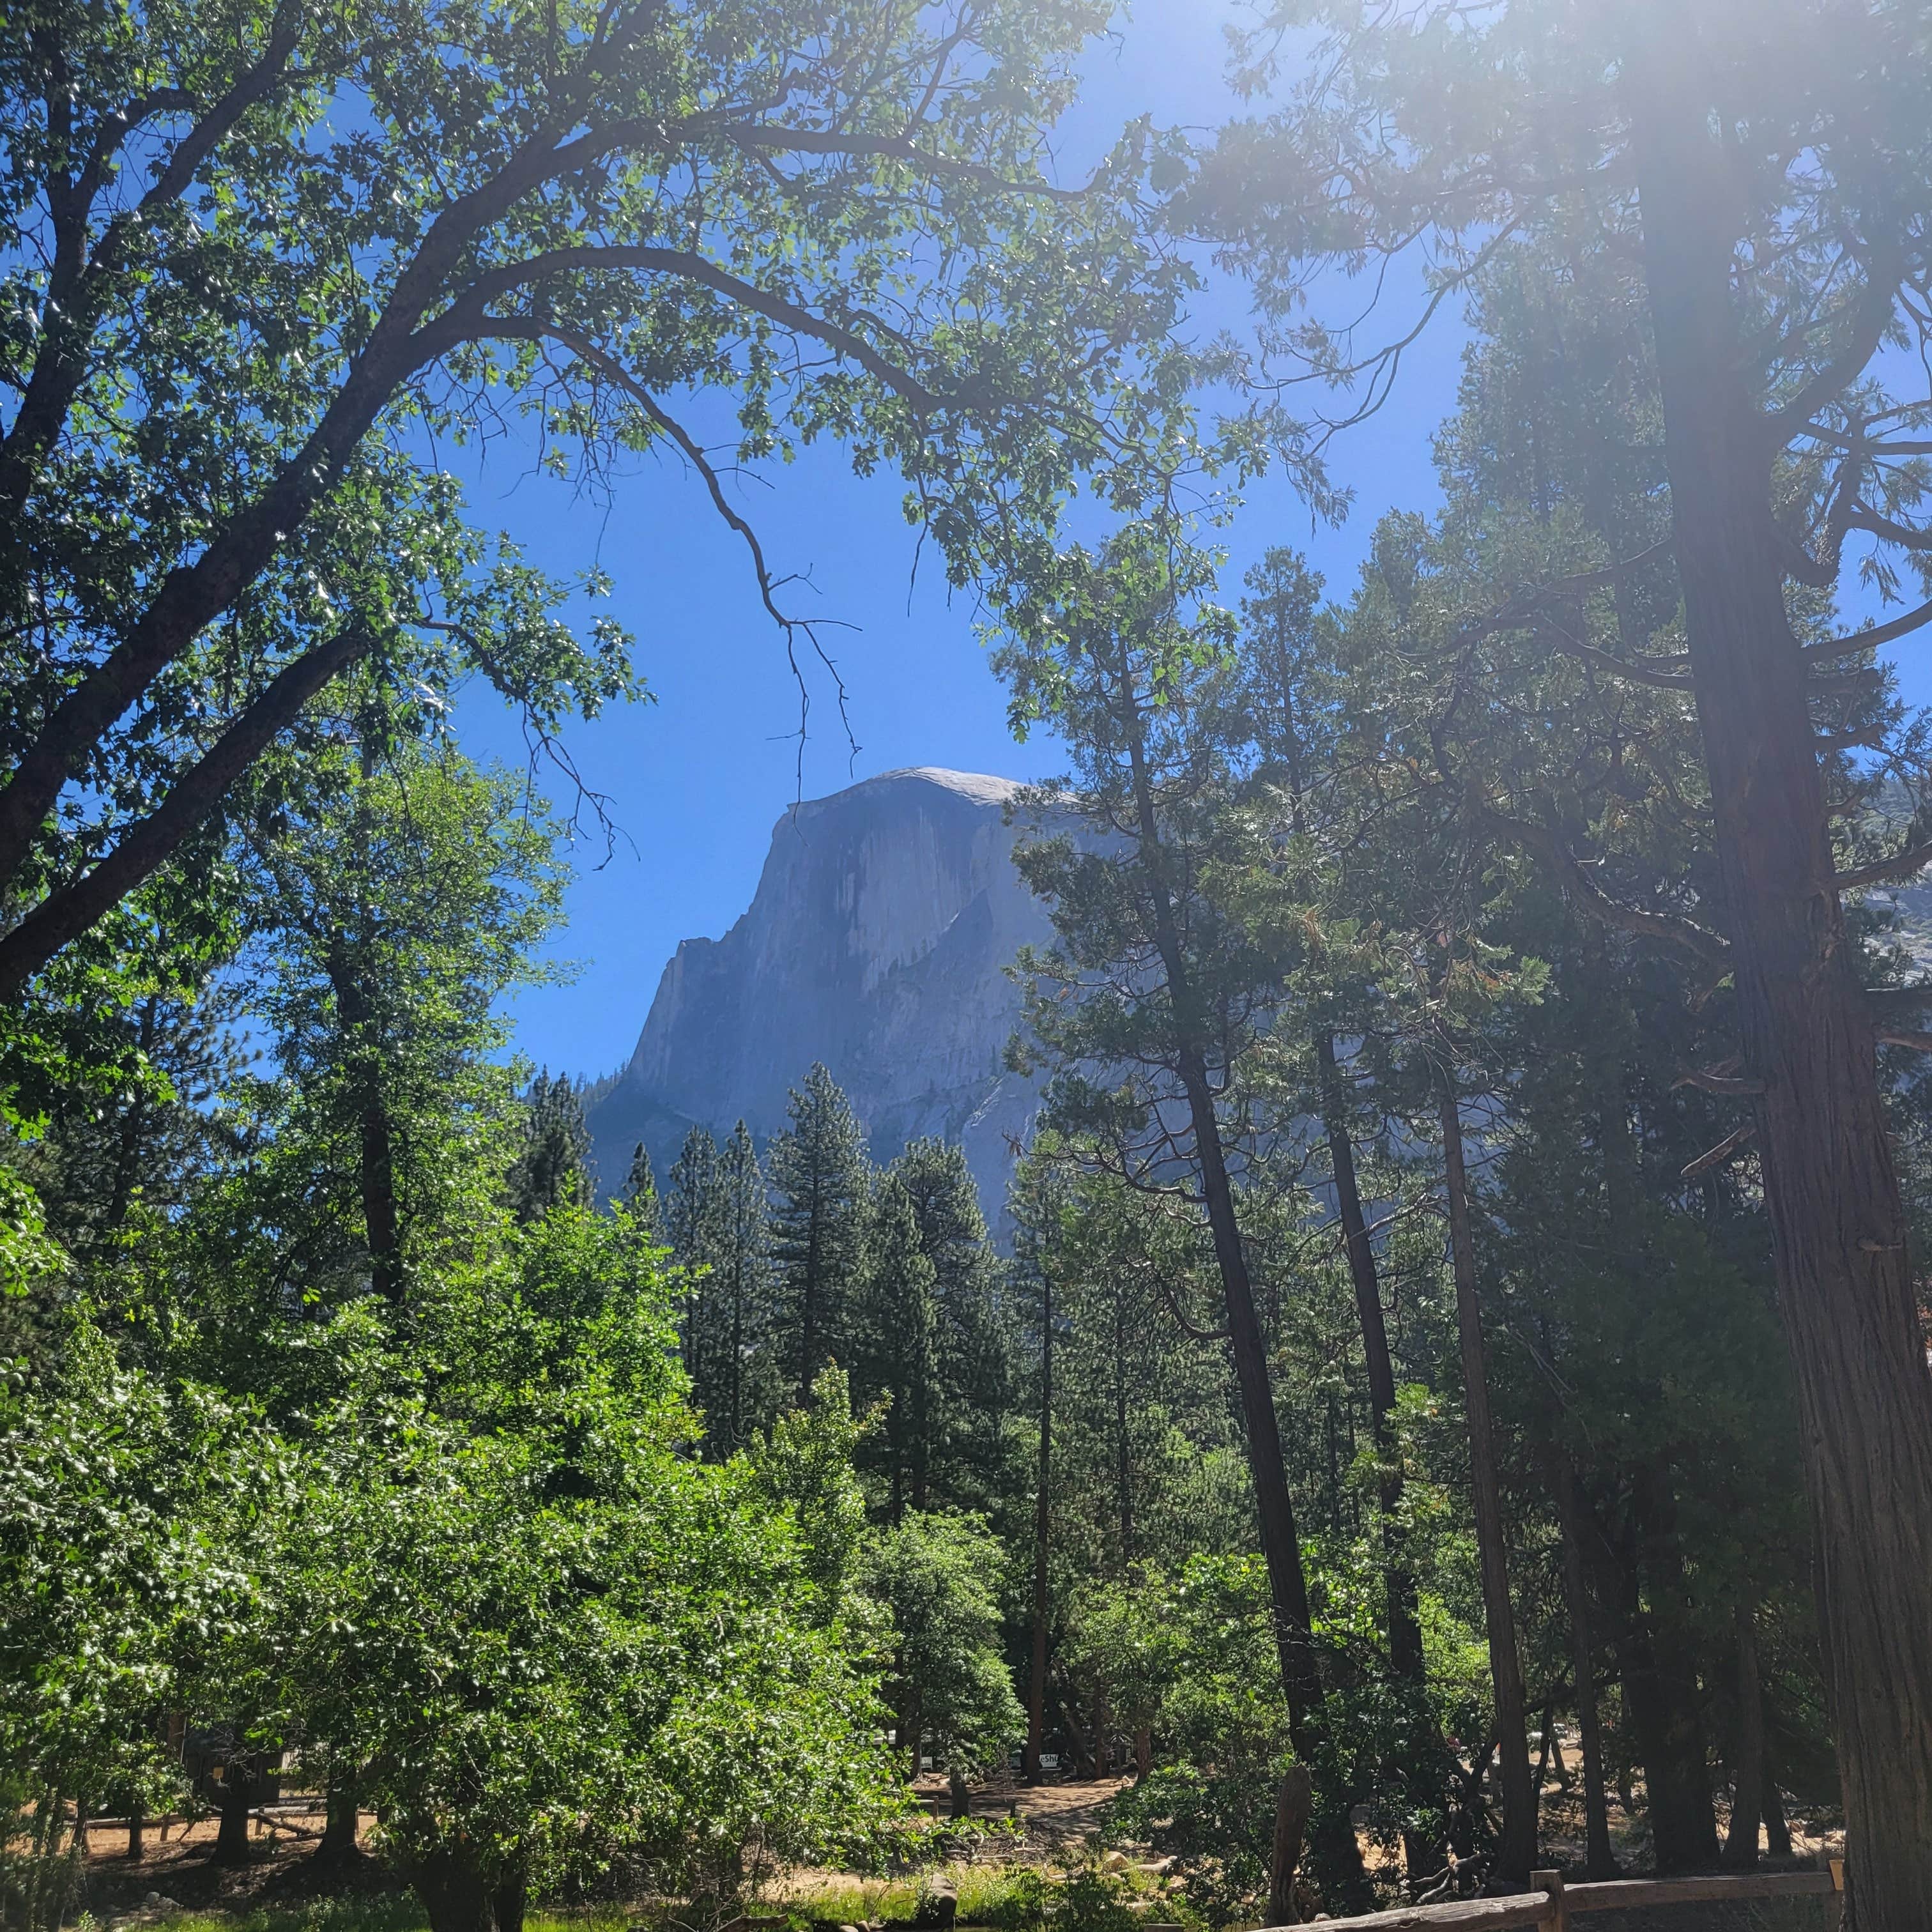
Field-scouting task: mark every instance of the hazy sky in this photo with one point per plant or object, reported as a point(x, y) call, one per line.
point(697, 778)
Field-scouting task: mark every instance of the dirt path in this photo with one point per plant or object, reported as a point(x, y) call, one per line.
point(1060, 1811)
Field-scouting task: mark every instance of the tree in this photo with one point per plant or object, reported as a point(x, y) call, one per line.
point(717, 1225)
point(938, 1576)
point(391, 921)
point(895, 1328)
point(1036, 1202)
point(640, 1193)
point(820, 1186)
point(1149, 984)
point(1762, 173)
point(553, 1169)
point(634, 1657)
point(538, 211)
point(972, 1370)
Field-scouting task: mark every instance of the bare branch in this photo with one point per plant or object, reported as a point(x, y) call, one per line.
point(1917, 1043)
point(1711, 1081)
point(1870, 638)
point(1723, 1151)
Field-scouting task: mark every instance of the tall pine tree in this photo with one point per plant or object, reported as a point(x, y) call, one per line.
point(819, 1177)
point(974, 1369)
point(896, 1339)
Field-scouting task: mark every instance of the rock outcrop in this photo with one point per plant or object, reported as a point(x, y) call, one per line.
point(876, 943)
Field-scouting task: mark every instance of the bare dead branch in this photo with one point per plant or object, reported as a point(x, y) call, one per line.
point(1723, 1151)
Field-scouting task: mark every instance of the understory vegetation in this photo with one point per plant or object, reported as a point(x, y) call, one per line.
point(1449, 1395)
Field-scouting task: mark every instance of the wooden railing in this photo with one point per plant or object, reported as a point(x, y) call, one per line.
point(1553, 1905)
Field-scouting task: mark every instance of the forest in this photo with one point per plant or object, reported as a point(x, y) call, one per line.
point(1449, 1400)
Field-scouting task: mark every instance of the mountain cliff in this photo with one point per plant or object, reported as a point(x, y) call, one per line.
point(875, 943)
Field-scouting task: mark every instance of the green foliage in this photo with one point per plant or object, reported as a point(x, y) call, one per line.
point(938, 1576)
point(821, 1183)
point(806, 1463)
point(552, 1168)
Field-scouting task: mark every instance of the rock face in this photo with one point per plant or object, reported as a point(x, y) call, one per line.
point(875, 943)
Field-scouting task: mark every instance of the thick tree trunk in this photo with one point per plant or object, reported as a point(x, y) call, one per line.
point(1042, 1525)
point(1660, 1703)
point(1747, 1778)
point(455, 1894)
point(1600, 1861)
point(1845, 1286)
point(1516, 1849)
point(1293, 1800)
point(231, 1836)
point(342, 1820)
point(135, 1822)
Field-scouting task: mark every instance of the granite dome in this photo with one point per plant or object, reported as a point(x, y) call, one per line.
point(876, 942)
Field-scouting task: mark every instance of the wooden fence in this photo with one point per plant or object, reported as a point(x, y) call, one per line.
point(1553, 1905)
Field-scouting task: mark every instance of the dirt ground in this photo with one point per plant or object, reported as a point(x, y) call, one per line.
point(1061, 1811)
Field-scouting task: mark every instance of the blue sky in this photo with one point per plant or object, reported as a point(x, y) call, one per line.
point(697, 778)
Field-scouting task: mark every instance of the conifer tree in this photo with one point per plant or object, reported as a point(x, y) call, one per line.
point(552, 1168)
point(895, 1343)
point(819, 1179)
point(641, 1193)
point(973, 1369)
point(715, 1220)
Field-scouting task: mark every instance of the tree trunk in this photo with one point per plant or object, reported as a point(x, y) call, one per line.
point(1845, 1285)
point(1405, 1633)
point(1683, 1819)
point(1516, 1849)
point(1777, 1830)
point(237, 1793)
point(455, 1893)
point(135, 1822)
point(1281, 1545)
point(508, 1898)
point(956, 1785)
point(343, 1821)
point(1676, 1791)
point(1748, 1786)
point(1043, 1524)
point(1600, 1861)
point(1292, 1802)
point(1143, 1753)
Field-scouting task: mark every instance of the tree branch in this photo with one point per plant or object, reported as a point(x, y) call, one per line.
point(486, 288)
point(1723, 1151)
point(761, 138)
point(1666, 928)
point(1884, 872)
point(1870, 638)
point(147, 845)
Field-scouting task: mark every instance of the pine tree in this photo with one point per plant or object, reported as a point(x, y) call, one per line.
point(640, 1194)
point(553, 1168)
point(690, 1228)
point(974, 1368)
point(716, 1222)
point(895, 1344)
point(818, 1175)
